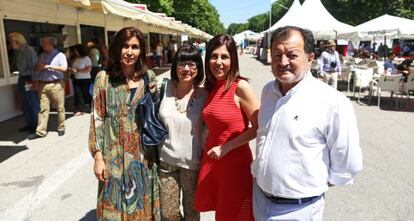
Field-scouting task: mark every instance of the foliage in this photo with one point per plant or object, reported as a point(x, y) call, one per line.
point(260, 22)
point(353, 12)
point(235, 28)
point(197, 13)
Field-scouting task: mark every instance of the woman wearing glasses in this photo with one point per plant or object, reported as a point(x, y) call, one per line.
point(180, 111)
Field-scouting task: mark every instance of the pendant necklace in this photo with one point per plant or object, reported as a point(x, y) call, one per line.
point(183, 105)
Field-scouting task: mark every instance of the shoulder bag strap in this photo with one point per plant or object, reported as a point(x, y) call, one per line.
point(162, 89)
point(146, 82)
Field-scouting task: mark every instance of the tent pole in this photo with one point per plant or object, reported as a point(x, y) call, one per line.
point(385, 46)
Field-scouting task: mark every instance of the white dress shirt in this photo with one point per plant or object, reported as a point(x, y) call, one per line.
point(307, 138)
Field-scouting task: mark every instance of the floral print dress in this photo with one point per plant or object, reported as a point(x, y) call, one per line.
point(132, 191)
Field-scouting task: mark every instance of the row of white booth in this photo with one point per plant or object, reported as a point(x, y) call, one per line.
point(75, 22)
point(313, 15)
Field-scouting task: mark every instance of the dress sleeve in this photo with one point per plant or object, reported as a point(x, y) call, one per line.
point(97, 125)
point(343, 142)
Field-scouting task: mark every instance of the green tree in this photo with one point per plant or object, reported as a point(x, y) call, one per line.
point(200, 14)
point(355, 12)
point(235, 28)
point(279, 9)
point(259, 22)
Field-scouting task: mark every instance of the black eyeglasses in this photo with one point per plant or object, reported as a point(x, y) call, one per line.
point(191, 65)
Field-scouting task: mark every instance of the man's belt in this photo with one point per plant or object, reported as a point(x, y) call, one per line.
point(281, 200)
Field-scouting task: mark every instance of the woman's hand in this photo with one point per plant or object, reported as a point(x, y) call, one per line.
point(217, 152)
point(152, 87)
point(99, 168)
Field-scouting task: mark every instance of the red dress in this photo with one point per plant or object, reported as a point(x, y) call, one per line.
point(225, 185)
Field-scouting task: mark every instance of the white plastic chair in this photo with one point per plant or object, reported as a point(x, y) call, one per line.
point(362, 79)
point(409, 85)
point(346, 74)
point(380, 68)
point(387, 83)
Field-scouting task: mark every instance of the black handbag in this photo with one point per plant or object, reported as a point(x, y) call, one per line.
point(153, 132)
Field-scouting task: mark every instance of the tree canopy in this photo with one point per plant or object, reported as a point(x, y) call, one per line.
point(353, 12)
point(197, 13)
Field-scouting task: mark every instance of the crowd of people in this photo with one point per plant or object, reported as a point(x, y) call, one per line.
point(42, 77)
point(211, 113)
point(329, 63)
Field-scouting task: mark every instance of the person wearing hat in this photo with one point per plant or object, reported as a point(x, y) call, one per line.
point(329, 64)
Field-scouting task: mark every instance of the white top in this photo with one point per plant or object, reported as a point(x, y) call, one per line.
point(307, 138)
point(81, 63)
point(184, 144)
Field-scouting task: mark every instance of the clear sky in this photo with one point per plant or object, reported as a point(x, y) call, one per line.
point(238, 11)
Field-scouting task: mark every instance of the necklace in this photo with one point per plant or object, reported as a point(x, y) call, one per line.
point(183, 105)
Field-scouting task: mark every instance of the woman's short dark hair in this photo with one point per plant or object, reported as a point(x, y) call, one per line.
point(213, 44)
point(119, 41)
point(188, 53)
point(82, 50)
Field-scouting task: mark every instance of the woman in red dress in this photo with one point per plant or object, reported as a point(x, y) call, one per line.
point(225, 181)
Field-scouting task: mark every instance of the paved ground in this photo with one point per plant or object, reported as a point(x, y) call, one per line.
point(51, 178)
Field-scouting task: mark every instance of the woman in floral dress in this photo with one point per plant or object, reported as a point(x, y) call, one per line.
point(128, 180)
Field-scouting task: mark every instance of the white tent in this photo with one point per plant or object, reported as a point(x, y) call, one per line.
point(250, 35)
point(313, 15)
point(385, 25)
point(287, 19)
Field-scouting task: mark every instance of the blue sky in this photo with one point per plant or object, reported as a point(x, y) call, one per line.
point(238, 11)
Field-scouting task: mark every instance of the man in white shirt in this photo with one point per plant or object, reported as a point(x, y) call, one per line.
point(307, 138)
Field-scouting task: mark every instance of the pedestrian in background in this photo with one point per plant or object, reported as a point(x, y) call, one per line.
point(307, 139)
point(128, 182)
point(225, 181)
point(180, 154)
point(81, 70)
point(27, 81)
point(94, 55)
point(330, 65)
point(51, 66)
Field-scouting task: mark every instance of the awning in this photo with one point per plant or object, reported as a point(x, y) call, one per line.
point(136, 12)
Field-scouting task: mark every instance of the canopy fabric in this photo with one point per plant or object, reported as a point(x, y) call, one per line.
point(250, 35)
point(121, 8)
point(291, 15)
point(77, 3)
point(128, 10)
point(313, 15)
point(385, 25)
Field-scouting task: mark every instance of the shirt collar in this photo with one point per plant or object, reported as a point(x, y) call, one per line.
point(294, 89)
